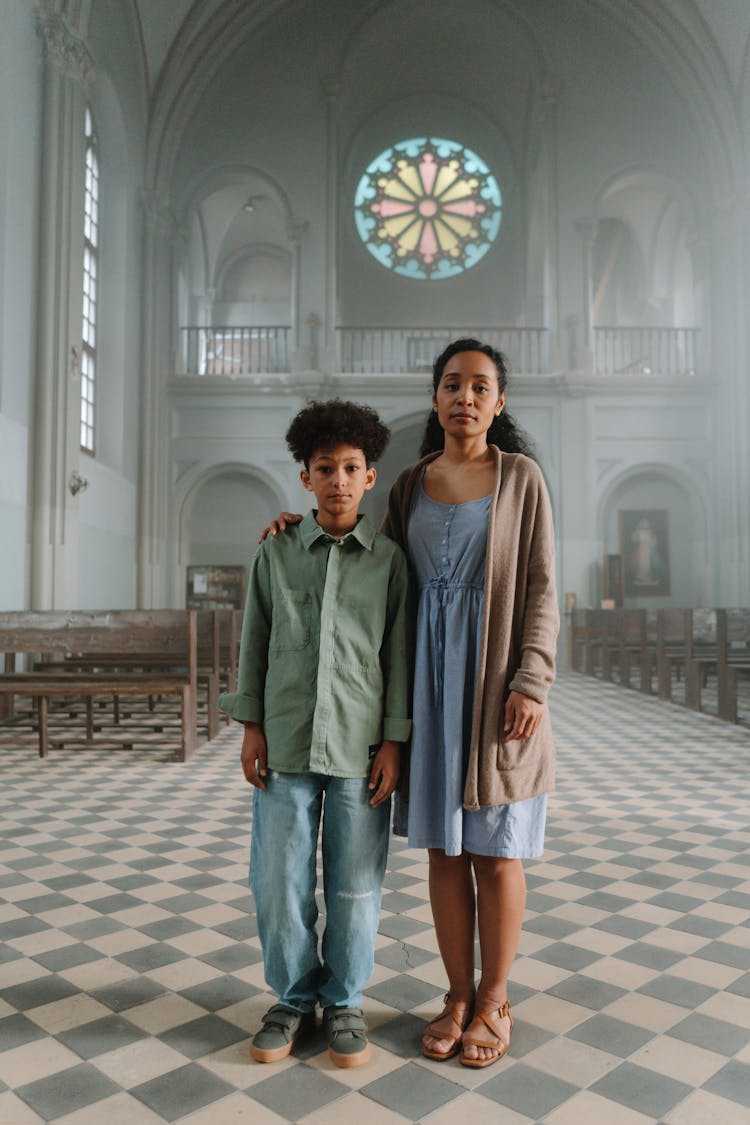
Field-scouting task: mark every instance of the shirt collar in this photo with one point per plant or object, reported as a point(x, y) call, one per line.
point(311, 531)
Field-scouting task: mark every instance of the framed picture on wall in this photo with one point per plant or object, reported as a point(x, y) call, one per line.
point(215, 587)
point(644, 546)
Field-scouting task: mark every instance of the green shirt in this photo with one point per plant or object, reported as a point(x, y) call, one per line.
point(323, 660)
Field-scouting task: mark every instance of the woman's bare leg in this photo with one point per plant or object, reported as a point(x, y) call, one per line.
point(453, 908)
point(501, 899)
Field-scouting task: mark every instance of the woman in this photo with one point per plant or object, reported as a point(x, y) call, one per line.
point(477, 526)
point(475, 520)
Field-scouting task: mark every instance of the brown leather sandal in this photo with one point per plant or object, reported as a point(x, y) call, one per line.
point(449, 1024)
point(493, 1042)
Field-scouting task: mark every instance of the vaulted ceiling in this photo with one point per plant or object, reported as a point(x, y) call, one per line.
point(724, 26)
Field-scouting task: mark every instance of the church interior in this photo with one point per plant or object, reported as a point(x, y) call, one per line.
point(215, 211)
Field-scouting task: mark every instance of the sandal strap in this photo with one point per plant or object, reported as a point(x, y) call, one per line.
point(453, 1016)
point(491, 1020)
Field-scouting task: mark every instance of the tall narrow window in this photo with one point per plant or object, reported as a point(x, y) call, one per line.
point(90, 255)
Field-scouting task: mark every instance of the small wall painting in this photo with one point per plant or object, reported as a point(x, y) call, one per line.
point(644, 545)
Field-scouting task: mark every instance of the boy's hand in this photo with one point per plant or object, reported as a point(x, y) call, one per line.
point(522, 716)
point(386, 767)
point(254, 756)
point(279, 524)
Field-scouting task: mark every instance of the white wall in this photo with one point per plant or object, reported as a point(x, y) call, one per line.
point(106, 544)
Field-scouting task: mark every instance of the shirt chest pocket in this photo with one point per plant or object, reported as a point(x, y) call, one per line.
point(290, 629)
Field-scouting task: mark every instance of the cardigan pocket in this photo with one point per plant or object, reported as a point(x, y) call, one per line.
point(510, 752)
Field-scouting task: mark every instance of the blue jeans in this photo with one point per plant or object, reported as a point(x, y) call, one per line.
point(286, 818)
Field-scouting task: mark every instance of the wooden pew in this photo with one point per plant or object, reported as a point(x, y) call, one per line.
point(597, 659)
point(634, 648)
point(97, 639)
point(673, 628)
point(733, 657)
point(208, 666)
point(700, 655)
point(578, 639)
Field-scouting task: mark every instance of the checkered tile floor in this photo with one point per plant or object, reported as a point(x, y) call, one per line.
point(131, 975)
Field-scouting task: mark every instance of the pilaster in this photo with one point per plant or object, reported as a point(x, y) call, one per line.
point(587, 230)
point(331, 91)
point(295, 229)
point(67, 71)
point(153, 483)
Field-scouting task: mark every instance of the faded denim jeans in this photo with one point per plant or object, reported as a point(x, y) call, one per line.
point(286, 818)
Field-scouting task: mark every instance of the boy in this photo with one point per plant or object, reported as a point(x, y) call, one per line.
point(323, 696)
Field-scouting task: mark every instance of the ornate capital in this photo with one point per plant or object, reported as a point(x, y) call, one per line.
point(158, 213)
point(551, 90)
point(60, 47)
point(587, 229)
point(331, 87)
point(295, 228)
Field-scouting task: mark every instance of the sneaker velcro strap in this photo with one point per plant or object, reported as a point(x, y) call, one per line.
point(286, 1019)
point(347, 1019)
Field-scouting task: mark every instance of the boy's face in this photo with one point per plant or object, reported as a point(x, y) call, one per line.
point(339, 477)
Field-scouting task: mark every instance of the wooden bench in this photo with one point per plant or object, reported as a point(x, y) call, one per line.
point(733, 657)
point(601, 641)
point(700, 655)
point(578, 639)
point(673, 628)
point(218, 643)
point(157, 649)
point(634, 648)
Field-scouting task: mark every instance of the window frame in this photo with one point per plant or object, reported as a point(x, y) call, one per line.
point(89, 285)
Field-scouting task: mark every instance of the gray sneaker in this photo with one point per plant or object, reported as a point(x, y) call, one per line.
point(346, 1034)
point(281, 1027)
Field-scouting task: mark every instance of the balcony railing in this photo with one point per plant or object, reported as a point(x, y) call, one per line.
point(262, 350)
point(404, 350)
point(645, 351)
point(266, 349)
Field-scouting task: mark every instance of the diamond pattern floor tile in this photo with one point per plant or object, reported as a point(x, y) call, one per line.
point(131, 976)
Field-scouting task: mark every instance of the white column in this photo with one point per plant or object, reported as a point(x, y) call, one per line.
point(299, 359)
point(153, 481)
point(67, 69)
point(730, 356)
point(587, 230)
point(331, 89)
point(551, 94)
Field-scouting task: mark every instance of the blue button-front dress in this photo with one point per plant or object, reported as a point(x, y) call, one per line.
point(447, 546)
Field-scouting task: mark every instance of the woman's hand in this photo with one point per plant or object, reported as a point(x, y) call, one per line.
point(282, 521)
point(522, 716)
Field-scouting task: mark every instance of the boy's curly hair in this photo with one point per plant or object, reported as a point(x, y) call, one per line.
point(323, 425)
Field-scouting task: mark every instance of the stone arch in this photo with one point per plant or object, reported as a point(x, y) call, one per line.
point(249, 251)
point(266, 490)
point(659, 215)
point(683, 493)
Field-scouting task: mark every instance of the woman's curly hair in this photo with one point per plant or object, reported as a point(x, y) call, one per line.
point(323, 425)
point(504, 431)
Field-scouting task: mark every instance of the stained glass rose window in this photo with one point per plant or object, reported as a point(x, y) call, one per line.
point(428, 208)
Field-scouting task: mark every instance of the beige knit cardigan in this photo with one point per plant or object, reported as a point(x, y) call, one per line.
point(519, 628)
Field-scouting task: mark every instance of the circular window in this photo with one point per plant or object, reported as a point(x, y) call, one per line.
point(428, 208)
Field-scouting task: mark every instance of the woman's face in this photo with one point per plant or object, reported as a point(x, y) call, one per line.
point(467, 399)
